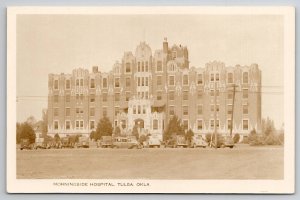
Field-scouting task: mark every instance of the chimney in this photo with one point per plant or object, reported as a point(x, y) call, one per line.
point(165, 46)
point(95, 69)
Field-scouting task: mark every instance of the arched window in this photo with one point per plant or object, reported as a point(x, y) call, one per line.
point(245, 77)
point(155, 124)
point(230, 78)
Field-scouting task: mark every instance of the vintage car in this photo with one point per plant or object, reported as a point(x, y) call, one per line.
point(125, 142)
point(222, 141)
point(105, 142)
point(83, 142)
point(153, 141)
point(25, 144)
point(198, 141)
point(176, 141)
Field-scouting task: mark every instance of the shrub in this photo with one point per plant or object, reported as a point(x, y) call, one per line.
point(236, 138)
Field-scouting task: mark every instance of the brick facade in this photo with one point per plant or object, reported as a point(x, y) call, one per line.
point(147, 88)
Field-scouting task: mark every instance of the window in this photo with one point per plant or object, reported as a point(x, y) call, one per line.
point(56, 84)
point(81, 97)
point(185, 79)
point(217, 93)
point(171, 110)
point(56, 125)
point(245, 93)
point(229, 109)
point(117, 110)
point(200, 93)
point(212, 93)
point(104, 97)
point(68, 125)
point(159, 80)
point(56, 98)
point(185, 95)
point(230, 78)
point(68, 112)
point(212, 124)
point(146, 66)
point(212, 77)
point(77, 97)
point(68, 84)
point(159, 66)
point(56, 112)
point(127, 82)
point(81, 82)
point(155, 124)
point(185, 110)
point(123, 123)
point(245, 109)
point(143, 67)
point(159, 95)
point(144, 109)
point(104, 111)
point(245, 124)
point(199, 124)
point(146, 81)
point(104, 82)
point(139, 109)
point(217, 124)
point(185, 124)
point(139, 65)
point(217, 77)
point(77, 124)
point(81, 124)
point(117, 96)
point(171, 95)
point(127, 94)
point(92, 124)
point(143, 81)
point(245, 77)
point(128, 67)
point(77, 110)
point(229, 124)
point(230, 95)
point(199, 109)
point(77, 82)
point(92, 98)
point(68, 98)
point(117, 82)
point(134, 109)
point(92, 112)
point(92, 83)
point(171, 80)
point(217, 108)
point(200, 79)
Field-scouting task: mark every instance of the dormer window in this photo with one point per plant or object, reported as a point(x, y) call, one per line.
point(128, 67)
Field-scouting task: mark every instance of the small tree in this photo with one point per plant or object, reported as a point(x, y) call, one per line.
point(117, 131)
point(56, 138)
point(135, 131)
point(26, 132)
point(92, 135)
point(104, 128)
point(189, 136)
point(174, 128)
point(208, 138)
point(236, 138)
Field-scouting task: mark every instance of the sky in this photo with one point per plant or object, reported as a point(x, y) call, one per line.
point(59, 43)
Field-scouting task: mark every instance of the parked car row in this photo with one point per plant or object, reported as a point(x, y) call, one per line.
point(130, 142)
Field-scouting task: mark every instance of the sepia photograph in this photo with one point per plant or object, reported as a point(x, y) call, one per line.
point(151, 99)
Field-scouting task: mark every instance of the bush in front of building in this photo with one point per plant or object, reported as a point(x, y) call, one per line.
point(236, 138)
point(25, 131)
point(104, 128)
point(174, 128)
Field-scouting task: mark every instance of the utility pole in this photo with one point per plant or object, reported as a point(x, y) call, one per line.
point(215, 115)
point(231, 121)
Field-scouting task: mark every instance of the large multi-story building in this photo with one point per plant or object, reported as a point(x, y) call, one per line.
point(147, 89)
